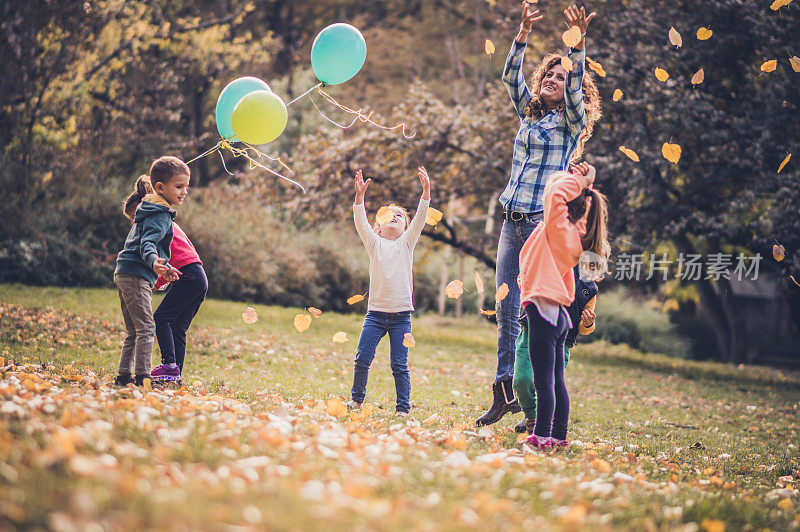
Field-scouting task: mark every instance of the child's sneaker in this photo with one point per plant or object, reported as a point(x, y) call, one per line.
point(123, 379)
point(164, 372)
point(559, 443)
point(352, 405)
point(538, 442)
point(400, 413)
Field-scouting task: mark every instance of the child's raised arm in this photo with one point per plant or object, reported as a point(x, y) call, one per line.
point(368, 236)
point(418, 223)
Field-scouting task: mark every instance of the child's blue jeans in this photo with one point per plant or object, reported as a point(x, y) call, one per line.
point(376, 325)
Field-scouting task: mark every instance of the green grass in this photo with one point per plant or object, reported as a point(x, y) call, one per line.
point(702, 441)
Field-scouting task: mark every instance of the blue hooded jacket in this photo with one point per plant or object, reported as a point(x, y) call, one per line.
point(149, 239)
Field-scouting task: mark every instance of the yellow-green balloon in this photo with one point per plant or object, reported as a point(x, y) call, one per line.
point(259, 117)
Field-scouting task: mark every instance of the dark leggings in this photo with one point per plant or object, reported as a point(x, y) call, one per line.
point(546, 346)
point(176, 312)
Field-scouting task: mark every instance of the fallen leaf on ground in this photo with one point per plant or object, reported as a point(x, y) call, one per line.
point(336, 408)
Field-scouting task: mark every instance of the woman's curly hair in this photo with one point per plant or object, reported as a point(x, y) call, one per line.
point(591, 101)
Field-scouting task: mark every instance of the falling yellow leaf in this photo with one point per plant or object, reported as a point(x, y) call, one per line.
point(769, 66)
point(302, 322)
point(794, 280)
point(632, 155)
point(314, 311)
point(786, 160)
point(712, 525)
point(572, 37)
point(433, 217)
point(340, 337)
point(698, 77)
point(566, 63)
point(703, 33)
point(795, 62)
point(617, 96)
point(408, 340)
point(488, 312)
point(675, 37)
point(661, 74)
point(671, 152)
point(489, 47)
point(384, 215)
point(352, 300)
point(454, 289)
point(336, 408)
point(478, 282)
point(596, 67)
point(777, 4)
point(501, 293)
point(779, 252)
point(249, 315)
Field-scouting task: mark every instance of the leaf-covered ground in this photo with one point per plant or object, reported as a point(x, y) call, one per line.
point(258, 437)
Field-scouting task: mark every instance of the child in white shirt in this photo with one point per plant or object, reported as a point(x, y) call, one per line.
point(390, 246)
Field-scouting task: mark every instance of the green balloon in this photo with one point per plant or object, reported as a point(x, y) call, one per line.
point(259, 117)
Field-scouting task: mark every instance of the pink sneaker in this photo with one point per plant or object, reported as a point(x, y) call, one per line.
point(559, 443)
point(538, 442)
point(166, 373)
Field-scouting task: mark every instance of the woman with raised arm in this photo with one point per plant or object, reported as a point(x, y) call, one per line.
point(557, 113)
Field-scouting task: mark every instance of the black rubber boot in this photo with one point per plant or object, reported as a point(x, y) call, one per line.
point(504, 402)
point(123, 379)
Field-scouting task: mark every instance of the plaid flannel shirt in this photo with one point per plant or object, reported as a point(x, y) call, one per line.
point(546, 146)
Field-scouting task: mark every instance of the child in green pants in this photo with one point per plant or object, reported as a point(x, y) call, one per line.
point(583, 306)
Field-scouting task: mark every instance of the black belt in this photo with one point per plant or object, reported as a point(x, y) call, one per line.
point(515, 216)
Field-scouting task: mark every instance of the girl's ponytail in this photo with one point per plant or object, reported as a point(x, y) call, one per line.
point(141, 188)
point(596, 237)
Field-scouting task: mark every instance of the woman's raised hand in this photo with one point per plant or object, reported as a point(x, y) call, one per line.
point(528, 18)
point(578, 17)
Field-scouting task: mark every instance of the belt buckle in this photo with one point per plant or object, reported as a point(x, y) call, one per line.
point(514, 218)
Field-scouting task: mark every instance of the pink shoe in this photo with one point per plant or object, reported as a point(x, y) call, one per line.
point(166, 373)
point(538, 442)
point(559, 443)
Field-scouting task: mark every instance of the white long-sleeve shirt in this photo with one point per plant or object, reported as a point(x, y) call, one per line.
point(390, 274)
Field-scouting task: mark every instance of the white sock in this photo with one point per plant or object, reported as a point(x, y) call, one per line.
point(172, 366)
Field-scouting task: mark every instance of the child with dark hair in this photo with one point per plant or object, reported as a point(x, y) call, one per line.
point(144, 257)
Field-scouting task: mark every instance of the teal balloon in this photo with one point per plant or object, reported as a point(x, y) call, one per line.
point(229, 97)
point(338, 53)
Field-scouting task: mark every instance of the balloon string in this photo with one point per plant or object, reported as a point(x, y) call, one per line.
point(360, 116)
point(329, 120)
point(225, 144)
point(309, 90)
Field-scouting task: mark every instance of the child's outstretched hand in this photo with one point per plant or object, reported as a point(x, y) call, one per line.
point(361, 187)
point(172, 275)
point(587, 317)
point(426, 182)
